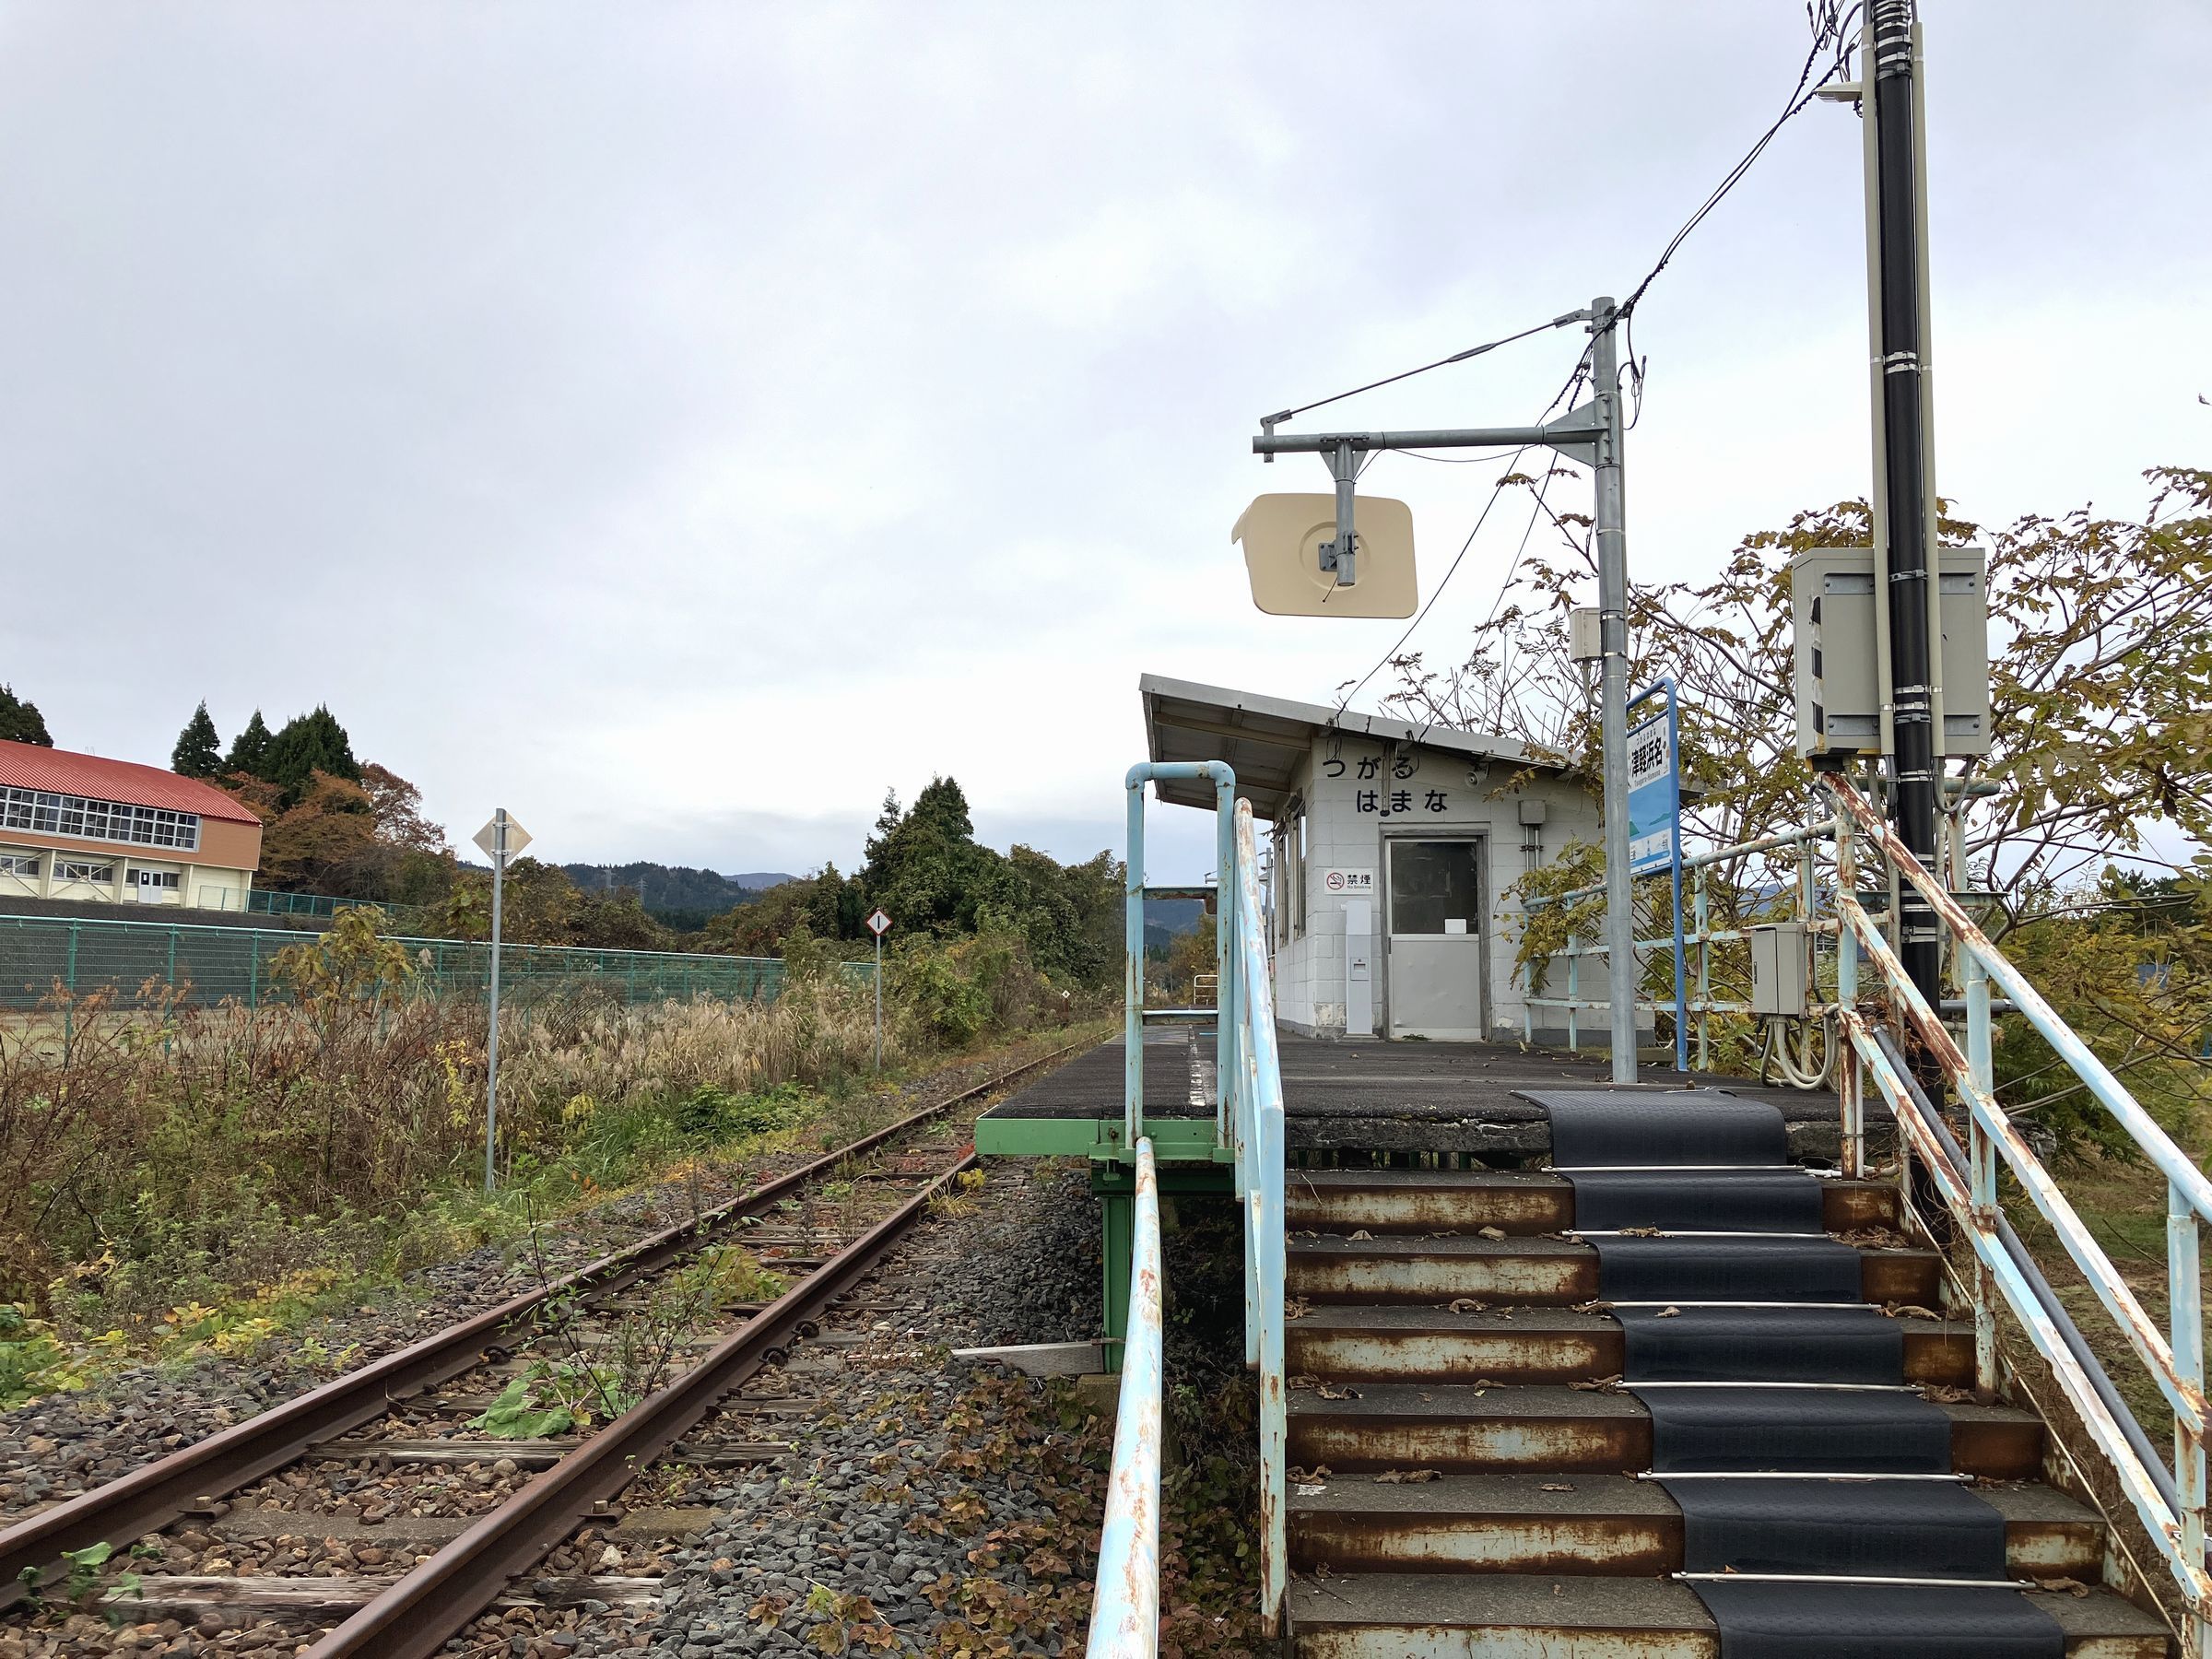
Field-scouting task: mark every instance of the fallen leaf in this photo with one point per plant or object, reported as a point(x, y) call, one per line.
point(1362, 1232)
point(1603, 1384)
point(1597, 1305)
point(1327, 1393)
point(1944, 1393)
point(2061, 1587)
point(1302, 1381)
point(1641, 1232)
point(1407, 1477)
point(1668, 1313)
point(1468, 1305)
point(1490, 1232)
point(1909, 1311)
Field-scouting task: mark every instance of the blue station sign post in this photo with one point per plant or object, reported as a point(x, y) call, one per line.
point(1655, 820)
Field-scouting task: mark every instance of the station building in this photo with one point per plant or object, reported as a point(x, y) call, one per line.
point(1393, 842)
point(78, 826)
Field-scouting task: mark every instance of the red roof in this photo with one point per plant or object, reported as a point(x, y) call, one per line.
point(59, 772)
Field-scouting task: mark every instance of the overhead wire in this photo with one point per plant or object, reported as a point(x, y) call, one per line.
point(1566, 391)
point(1829, 22)
point(1392, 380)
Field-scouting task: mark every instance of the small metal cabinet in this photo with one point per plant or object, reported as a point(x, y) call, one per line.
point(1778, 970)
point(1839, 676)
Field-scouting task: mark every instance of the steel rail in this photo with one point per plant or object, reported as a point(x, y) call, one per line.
point(160, 1493)
point(431, 1604)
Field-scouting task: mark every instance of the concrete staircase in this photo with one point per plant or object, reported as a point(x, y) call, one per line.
point(1464, 1480)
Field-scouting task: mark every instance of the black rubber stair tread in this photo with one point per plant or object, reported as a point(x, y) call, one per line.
point(1785, 1199)
point(1594, 1524)
point(1536, 1344)
point(1596, 1127)
point(1401, 1425)
point(1518, 1201)
point(1386, 1615)
point(1534, 1271)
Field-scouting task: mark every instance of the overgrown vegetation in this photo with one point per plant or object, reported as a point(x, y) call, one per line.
point(194, 1176)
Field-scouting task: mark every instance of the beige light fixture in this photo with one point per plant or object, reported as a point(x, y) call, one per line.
point(1282, 537)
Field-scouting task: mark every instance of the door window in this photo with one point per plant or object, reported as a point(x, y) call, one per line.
point(1432, 887)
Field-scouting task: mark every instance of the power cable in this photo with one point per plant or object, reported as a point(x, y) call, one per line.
point(1457, 356)
point(1497, 490)
point(1828, 23)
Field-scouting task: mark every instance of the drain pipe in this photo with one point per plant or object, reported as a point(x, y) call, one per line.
point(2153, 1462)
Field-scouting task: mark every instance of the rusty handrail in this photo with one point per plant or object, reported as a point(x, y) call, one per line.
point(1124, 1609)
point(2175, 1522)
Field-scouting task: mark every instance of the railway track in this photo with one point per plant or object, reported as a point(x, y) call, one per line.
point(381, 1511)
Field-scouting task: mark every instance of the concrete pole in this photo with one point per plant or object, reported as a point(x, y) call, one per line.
point(491, 1042)
point(1613, 631)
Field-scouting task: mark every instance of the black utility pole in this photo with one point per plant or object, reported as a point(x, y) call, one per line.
point(1916, 769)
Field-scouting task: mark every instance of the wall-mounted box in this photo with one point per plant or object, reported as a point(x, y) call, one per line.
point(1778, 970)
point(1839, 678)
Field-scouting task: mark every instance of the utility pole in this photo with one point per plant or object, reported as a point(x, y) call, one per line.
point(1591, 434)
point(1887, 71)
point(1609, 515)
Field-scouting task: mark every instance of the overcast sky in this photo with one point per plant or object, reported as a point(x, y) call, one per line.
point(678, 424)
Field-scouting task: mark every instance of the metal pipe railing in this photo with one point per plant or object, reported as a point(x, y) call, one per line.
point(1248, 1124)
point(1259, 1087)
point(1124, 1609)
point(2172, 1510)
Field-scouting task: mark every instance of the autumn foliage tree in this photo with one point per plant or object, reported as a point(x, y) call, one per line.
point(2100, 773)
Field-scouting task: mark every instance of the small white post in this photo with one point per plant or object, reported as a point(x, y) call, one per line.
point(491, 1042)
point(878, 1002)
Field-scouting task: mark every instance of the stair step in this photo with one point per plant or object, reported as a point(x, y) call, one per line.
point(1453, 1427)
point(1517, 1201)
point(1524, 1271)
point(1502, 1616)
point(1590, 1524)
point(1527, 1345)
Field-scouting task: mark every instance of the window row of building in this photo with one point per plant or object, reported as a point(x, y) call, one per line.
point(50, 814)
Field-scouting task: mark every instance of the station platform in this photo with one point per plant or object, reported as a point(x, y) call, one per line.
point(1367, 1097)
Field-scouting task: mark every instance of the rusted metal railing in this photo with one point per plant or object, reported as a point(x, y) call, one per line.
point(1257, 1115)
point(1249, 1131)
point(1124, 1611)
point(1700, 937)
point(2171, 1510)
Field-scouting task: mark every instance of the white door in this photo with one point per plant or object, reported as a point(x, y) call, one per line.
point(1435, 939)
point(152, 889)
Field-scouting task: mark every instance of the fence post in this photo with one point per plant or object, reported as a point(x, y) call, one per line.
point(1981, 1156)
point(2185, 1323)
point(69, 1017)
point(1702, 904)
point(1850, 1081)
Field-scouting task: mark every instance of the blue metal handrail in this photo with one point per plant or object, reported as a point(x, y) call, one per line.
point(1125, 1610)
point(1257, 1091)
point(1248, 1124)
point(2175, 1359)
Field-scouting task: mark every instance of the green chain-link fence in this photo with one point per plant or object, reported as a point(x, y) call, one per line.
point(208, 963)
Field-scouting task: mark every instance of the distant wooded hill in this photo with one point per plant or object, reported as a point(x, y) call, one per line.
point(677, 895)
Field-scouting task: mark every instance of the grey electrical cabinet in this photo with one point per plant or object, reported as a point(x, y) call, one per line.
point(1778, 964)
point(1839, 673)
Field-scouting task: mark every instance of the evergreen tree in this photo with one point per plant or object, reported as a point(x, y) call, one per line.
point(307, 744)
point(20, 721)
point(249, 749)
point(199, 752)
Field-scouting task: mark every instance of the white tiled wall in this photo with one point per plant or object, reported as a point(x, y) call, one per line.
point(1310, 970)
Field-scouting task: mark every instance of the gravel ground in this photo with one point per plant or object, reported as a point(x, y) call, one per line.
point(56, 1447)
point(934, 1506)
